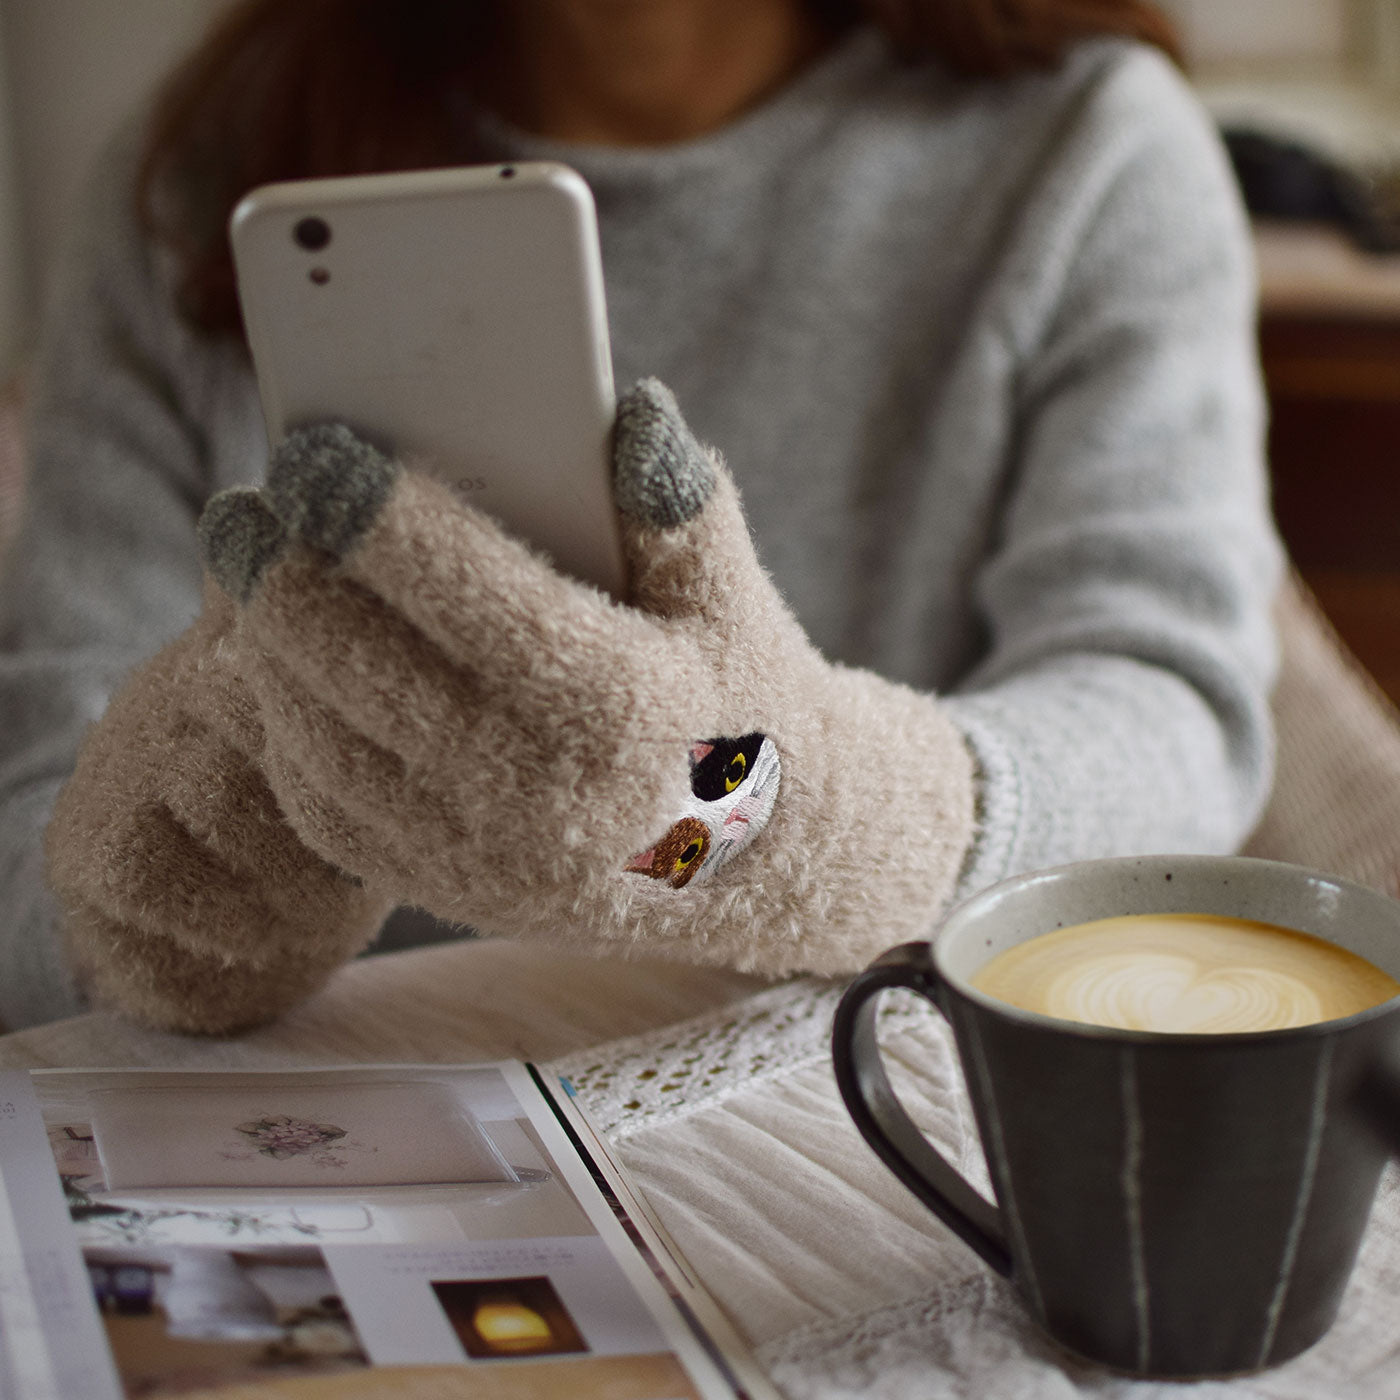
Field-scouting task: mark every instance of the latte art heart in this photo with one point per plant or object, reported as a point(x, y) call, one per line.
point(1167, 992)
point(1186, 974)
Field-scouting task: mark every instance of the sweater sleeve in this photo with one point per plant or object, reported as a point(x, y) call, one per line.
point(1122, 706)
point(104, 569)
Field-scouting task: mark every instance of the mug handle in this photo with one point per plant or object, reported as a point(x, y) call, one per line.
point(881, 1119)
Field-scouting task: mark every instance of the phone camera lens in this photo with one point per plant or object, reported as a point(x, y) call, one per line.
point(312, 234)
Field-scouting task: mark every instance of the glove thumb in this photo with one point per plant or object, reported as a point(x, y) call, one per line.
point(688, 546)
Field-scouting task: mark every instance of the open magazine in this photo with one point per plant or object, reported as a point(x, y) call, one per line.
point(170, 1232)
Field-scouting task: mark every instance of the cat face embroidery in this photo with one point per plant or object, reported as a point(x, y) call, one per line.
point(733, 786)
point(678, 856)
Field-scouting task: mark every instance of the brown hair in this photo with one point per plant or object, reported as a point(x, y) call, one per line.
point(264, 98)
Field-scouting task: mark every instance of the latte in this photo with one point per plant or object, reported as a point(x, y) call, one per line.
point(1185, 973)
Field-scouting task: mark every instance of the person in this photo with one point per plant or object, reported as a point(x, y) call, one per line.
point(962, 293)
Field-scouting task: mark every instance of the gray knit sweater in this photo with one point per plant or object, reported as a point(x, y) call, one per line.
point(980, 356)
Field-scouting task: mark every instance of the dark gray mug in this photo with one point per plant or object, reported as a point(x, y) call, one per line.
point(1170, 1205)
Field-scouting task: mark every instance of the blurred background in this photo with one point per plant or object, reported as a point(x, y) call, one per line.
point(1308, 92)
point(69, 71)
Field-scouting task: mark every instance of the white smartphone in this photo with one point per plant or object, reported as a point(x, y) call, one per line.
point(456, 319)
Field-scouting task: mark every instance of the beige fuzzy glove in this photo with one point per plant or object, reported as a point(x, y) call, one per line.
point(465, 729)
point(189, 901)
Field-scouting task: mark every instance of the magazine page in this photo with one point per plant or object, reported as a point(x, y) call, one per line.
point(169, 1232)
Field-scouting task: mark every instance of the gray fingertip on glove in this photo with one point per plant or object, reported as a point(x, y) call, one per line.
point(324, 486)
point(240, 538)
point(661, 474)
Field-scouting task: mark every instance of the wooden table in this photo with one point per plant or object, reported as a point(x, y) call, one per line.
point(449, 1003)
